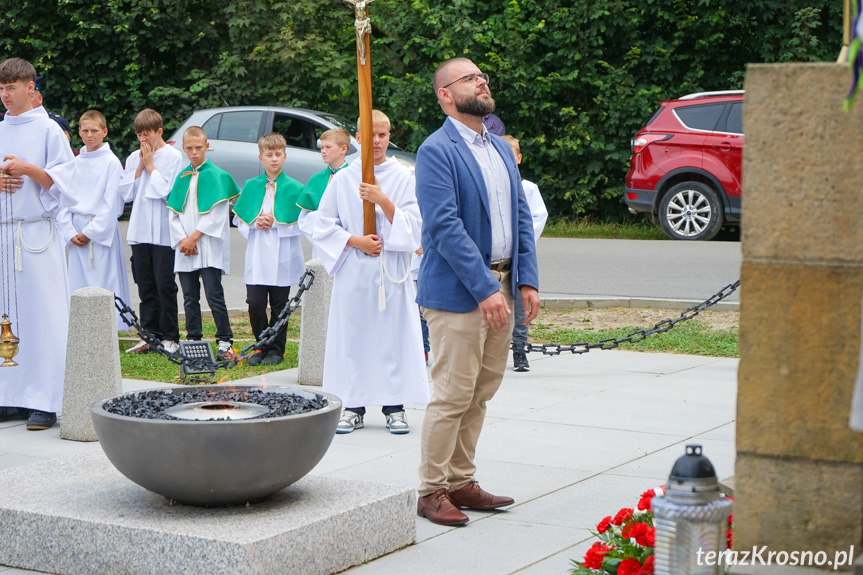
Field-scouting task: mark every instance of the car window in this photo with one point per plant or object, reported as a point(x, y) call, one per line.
point(655, 114)
point(236, 126)
point(211, 127)
point(700, 117)
point(298, 133)
point(734, 124)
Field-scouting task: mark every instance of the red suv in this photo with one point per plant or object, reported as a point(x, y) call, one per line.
point(686, 165)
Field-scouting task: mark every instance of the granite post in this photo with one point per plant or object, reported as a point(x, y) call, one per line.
point(92, 361)
point(313, 326)
point(799, 470)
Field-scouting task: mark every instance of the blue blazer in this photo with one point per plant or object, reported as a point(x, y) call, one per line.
point(455, 273)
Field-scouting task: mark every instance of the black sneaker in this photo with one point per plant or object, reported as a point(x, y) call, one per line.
point(13, 413)
point(40, 420)
point(256, 359)
point(519, 361)
point(272, 359)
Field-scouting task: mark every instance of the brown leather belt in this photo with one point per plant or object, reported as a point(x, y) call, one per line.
point(501, 266)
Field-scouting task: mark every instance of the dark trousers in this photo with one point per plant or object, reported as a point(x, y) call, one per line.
point(256, 297)
point(386, 410)
point(191, 284)
point(153, 272)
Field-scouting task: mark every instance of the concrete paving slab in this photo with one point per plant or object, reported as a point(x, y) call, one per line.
point(652, 414)
point(79, 515)
point(658, 465)
point(584, 504)
point(561, 562)
point(723, 433)
point(461, 549)
point(566, 446)
point(8, 461)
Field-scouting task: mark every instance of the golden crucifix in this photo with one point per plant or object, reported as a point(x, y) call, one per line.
point(363, 26)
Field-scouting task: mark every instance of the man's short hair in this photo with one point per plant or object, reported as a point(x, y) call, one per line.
point(338, 136)
point(272, 141)
point(94, 116)
point(378, 117)
point(17, 70)
point(148, 120)
point(194, 132)
point(440, 73)
point(513, 143)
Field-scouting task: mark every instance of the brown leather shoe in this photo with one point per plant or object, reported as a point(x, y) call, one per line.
point(471, 496)
point(437, 508)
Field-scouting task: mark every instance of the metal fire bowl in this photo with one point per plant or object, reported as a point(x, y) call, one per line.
point(216, 463)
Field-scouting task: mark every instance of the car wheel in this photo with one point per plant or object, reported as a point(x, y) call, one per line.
point(690, 211)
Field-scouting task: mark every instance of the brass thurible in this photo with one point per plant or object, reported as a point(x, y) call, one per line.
point(8, 343)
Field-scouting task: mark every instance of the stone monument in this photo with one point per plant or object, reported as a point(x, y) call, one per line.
point(313, 326)
point(799, 471)
point(92, 361)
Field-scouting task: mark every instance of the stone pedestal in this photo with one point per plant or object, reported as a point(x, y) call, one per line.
point(313, 326)
point(92, 361)
point(799, 473)
point(79, 516)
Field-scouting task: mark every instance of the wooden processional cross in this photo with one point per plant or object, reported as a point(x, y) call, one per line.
point(363, 26)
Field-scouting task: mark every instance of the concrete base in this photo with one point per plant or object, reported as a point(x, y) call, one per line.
point(81, 516)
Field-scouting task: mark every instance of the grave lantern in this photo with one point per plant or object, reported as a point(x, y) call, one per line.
point(691, 519)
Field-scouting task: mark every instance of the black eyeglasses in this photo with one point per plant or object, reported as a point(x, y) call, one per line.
point(471, 78)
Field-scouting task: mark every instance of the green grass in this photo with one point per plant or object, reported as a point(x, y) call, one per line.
point(157, 368)
point(690, 337)
point(588, 227)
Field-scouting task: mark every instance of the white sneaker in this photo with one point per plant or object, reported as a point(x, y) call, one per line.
point(171, 346)
point(349, 421)
point(140, 347)
point(397, 423)
point(226, 350)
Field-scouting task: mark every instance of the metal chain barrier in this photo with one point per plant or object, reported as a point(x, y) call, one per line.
point(130, 318)
point(633, 337)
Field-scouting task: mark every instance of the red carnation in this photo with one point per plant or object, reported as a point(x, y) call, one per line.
point(647, 568)
point(603, 525)
point(641, 532)
point(593, 557)
point(622, 516)
point(730, 519)
point(646, 498)
point(728, 538)
point(629, 567)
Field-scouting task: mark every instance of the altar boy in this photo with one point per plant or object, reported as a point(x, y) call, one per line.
point(90, 227)
point(266, 215)
point(374, 352)
point(200, 228)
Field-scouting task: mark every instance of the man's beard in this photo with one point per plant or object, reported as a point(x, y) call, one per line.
point(474, 106)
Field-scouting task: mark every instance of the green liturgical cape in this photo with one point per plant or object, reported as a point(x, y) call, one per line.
point(285, 208)
point(215, 185)
point(314, 190)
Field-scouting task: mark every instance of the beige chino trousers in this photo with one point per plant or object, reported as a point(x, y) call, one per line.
point(469, 363)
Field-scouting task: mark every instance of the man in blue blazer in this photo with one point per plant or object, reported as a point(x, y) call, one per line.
point(478, 248)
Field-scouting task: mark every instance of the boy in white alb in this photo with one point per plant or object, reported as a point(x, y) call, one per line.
point(90, 227)
point(266, 215)
point(374, 351)
point(36, 291)
point(539, 215)
point(147, 180)
point(199, 205)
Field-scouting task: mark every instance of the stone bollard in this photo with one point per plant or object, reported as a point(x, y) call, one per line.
point(92, 361)
point(313, 326)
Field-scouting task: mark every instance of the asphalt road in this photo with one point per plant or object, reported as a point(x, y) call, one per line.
point(578, 268)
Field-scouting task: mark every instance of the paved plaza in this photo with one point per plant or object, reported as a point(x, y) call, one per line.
point(573, 440)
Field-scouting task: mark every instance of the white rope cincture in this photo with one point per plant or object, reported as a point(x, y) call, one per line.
point(19, 260)
point(90, 255)
point(382, 294)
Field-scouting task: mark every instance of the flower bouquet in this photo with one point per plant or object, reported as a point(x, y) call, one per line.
point(625, 545)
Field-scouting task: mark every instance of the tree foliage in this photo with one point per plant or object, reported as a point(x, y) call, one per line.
point(574, 79)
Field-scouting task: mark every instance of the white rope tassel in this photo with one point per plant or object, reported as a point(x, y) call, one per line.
point(90, 257)
point(19, 261)
point(382, 292)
